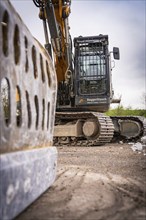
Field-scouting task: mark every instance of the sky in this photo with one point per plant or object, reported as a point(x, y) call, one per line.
point(123, 21)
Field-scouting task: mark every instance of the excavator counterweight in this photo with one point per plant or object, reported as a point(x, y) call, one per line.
point(28, 86)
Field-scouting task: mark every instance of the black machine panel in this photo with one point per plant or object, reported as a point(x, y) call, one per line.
point(92, 73)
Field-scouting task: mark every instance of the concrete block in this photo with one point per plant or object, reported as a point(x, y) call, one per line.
point(24, 176)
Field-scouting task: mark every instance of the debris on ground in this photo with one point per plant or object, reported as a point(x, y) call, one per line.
point(139, 146)
point(143, 140)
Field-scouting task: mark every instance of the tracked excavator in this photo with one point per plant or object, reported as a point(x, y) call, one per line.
point(28, 108)
point(84, 83)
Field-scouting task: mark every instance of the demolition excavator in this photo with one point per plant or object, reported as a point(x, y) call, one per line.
point(42, 86)
point(84, 83)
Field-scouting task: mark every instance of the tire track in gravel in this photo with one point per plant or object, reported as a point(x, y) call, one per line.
point(101, 183)
point(81, 195)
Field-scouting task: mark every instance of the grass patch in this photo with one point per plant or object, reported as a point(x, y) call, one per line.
point(121, 111)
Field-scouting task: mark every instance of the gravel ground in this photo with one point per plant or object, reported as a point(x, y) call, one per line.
point(99, 183)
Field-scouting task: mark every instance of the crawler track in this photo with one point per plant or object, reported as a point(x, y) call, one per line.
point(106, 129)
point(140, 123)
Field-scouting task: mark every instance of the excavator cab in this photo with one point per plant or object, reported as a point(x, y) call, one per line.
point(93, 73)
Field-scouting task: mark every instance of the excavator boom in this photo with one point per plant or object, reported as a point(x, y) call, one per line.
point(54, 15)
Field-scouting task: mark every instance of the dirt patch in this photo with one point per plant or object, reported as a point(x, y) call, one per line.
point(106, 183)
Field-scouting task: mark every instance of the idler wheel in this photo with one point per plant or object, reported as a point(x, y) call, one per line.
point(90, 128)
